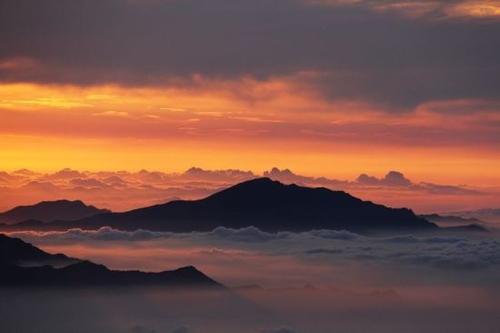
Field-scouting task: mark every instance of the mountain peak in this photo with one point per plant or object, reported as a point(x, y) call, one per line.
point(257, 182)
point(265, 204)
point(189, 268)
point(273, 206)
point(252, 189)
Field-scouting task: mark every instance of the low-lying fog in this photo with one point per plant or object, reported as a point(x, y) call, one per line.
point(318, 281)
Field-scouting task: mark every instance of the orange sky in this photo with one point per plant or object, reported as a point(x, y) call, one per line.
point(324, 87)
point(273, 123)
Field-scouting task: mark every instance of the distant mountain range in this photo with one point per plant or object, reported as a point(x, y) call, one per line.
point(22, 264)
point(46, 211)
point(487, 219)
point(451, 219)
point(266, 204)
point(485, 214)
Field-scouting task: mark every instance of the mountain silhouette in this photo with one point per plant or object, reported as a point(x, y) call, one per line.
point(14, 251)
point(47, 211)
point(266, 204)
point(451, 219)
point(23, 264)
point(466, 228)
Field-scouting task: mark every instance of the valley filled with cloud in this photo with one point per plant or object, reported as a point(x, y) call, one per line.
point(306, 281)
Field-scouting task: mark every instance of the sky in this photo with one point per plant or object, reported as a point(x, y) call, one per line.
point(125, 190)
point(330, 88)
point(130, 103)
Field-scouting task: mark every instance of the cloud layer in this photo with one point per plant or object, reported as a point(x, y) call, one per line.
point(345, 51)
point(284, 282)
point(454, 258)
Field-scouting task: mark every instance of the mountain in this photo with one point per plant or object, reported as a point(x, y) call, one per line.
point(452, 223)
point(467, 228)
point(85, 274)
point(451, 219)
point(15, 253)
point(266, 204)
point(47, 211)
point(485, 214)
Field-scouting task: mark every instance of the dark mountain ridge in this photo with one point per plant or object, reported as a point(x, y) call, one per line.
point(46, 211)
point(450, 219)
point(42, 270)
point(14, 251)
point(266, 204)
point(88, 274)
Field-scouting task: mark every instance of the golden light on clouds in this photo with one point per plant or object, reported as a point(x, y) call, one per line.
point(479, 9)
point(243, 124)
point(404, 85)
point(419, 8)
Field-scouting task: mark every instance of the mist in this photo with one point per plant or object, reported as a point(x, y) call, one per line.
point(317, 281)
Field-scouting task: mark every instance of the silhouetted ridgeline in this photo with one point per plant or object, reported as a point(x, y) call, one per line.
point(449, 219)
point(22, 264)
point(266, 204)
point(46, 211)
point(14, 251)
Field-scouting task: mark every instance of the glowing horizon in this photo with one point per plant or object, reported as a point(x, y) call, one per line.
point(109, 128)
point(401, 93)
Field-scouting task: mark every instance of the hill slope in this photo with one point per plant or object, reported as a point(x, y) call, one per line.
point(14, 251)
point(22, 264)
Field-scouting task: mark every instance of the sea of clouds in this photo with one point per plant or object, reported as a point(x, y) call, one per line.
point(309, 282)
point(450, 257)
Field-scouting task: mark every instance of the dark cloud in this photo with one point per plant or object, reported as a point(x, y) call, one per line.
point(324, 251)
point(361, 54)
point(464, 107)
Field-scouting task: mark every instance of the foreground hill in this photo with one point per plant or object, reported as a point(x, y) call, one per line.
point(47, 211)
point(22, 264)
point(14, 251)
point(266, 204)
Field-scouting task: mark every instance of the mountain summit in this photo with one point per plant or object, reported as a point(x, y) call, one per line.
point(266, 204)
